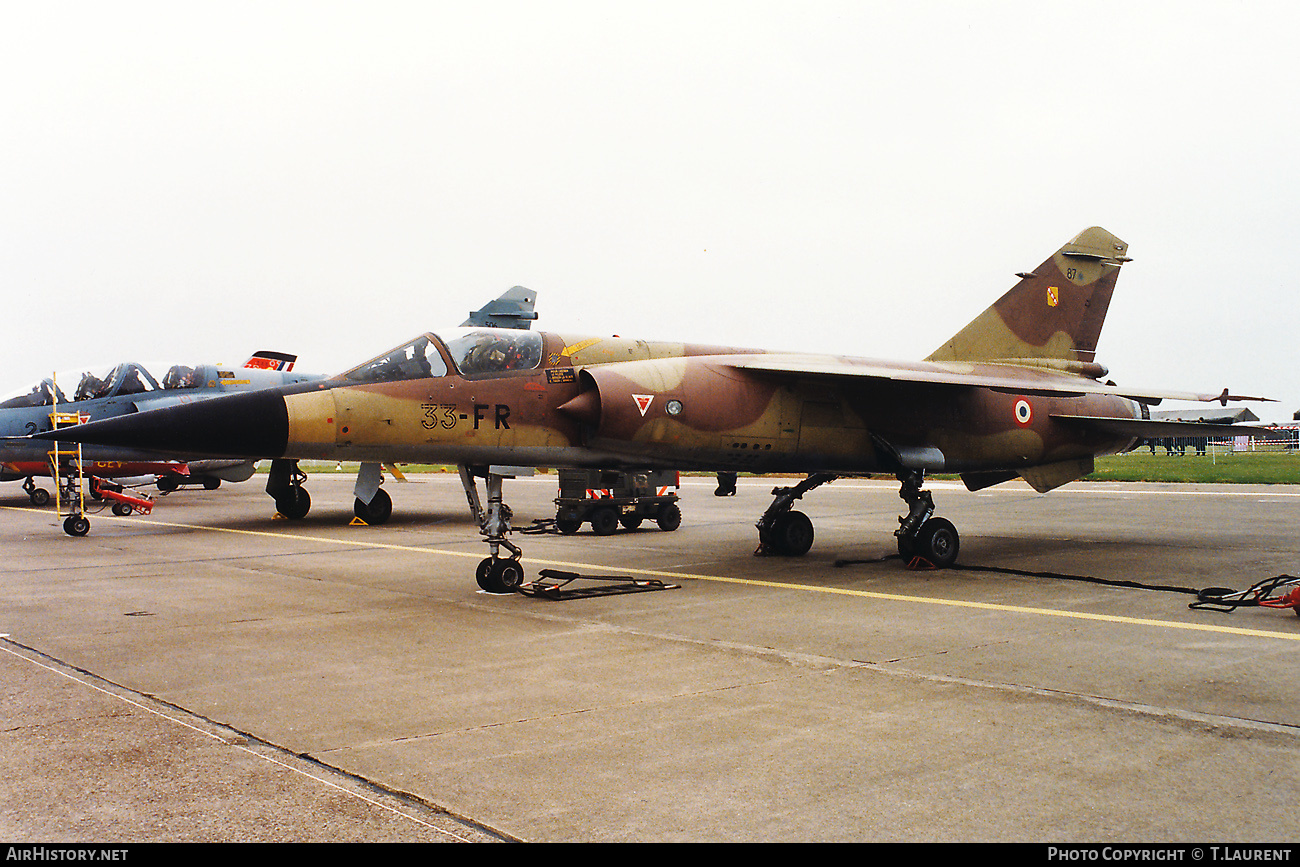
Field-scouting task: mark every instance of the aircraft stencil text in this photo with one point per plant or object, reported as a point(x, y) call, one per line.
point(445, 415)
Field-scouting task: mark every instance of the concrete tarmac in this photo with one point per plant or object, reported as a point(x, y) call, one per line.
point(211, 672)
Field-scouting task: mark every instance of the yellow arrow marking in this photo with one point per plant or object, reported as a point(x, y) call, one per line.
point(579, 346)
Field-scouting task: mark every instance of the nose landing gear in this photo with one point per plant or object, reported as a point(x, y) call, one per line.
point(497, 574)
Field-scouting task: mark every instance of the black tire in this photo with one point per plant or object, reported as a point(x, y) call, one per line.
point(792, 534)
point(630, 522)
point(481, 574)
point(938, 542)
point(604, 521)
point(499, 575)
point(509, 575)
point(669, 518)
point(379, 510)
point(40, 497)
point(294, 505)
point(76, 525)
point(906, 548)
point(167, 484)
point(567, 526)
point(211, 483)
point(121, 509)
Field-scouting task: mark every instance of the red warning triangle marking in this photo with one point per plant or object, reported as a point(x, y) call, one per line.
point(643, 402)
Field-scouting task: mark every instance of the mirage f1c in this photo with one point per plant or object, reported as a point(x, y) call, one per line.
point(1016, 393)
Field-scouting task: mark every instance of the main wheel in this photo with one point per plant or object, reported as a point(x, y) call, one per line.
point(604, 521)
point(938, 542)
point(294, 505)
point(792, 534)
point(378, 511)
point(211, 483)
point(76, 525)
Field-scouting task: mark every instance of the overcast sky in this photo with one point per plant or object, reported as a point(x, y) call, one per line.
point(194, 181)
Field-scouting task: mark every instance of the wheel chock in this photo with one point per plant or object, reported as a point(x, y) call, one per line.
point(556, 581)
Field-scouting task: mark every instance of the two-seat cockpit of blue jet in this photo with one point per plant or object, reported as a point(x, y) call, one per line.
point(94, 393)
point(494, 338)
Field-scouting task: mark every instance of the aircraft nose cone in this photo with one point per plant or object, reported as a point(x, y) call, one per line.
point(254, 424)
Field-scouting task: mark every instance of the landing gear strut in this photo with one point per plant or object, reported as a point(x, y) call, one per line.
point(932, 539)
point(495, 573)
point(783, 532)
point(38, 496)
point(285, 484)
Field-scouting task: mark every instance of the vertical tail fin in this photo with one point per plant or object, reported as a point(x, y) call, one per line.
point(1055, 312)
point(513, 309)
point(267, 359)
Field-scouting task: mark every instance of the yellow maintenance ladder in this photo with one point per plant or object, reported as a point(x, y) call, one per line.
point(66, 470)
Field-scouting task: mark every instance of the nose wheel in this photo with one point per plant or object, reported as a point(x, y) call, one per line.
point(500, 574)
point(495, 573)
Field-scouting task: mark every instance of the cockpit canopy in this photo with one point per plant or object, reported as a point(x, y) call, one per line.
point(472, 352)
point(494, 350)
point(127, 378)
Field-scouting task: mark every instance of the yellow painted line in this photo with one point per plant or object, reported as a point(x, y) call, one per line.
point(752, 582)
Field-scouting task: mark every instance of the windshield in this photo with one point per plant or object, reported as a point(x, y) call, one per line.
point(418, 359)
point(494, 350)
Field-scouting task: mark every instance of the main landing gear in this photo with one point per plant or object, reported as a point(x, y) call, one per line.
point(786, 533)
point(372, 504)
point(38, 496)
point(920, 534)
point(284, 484)
point(783, 532)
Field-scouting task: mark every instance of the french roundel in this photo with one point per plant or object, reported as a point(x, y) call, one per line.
point(1024, 413)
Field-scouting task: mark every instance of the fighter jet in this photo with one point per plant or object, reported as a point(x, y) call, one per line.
point(113, 390)
point(1016, 393)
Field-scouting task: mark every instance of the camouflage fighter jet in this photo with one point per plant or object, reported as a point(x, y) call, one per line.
point(1016, 393)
